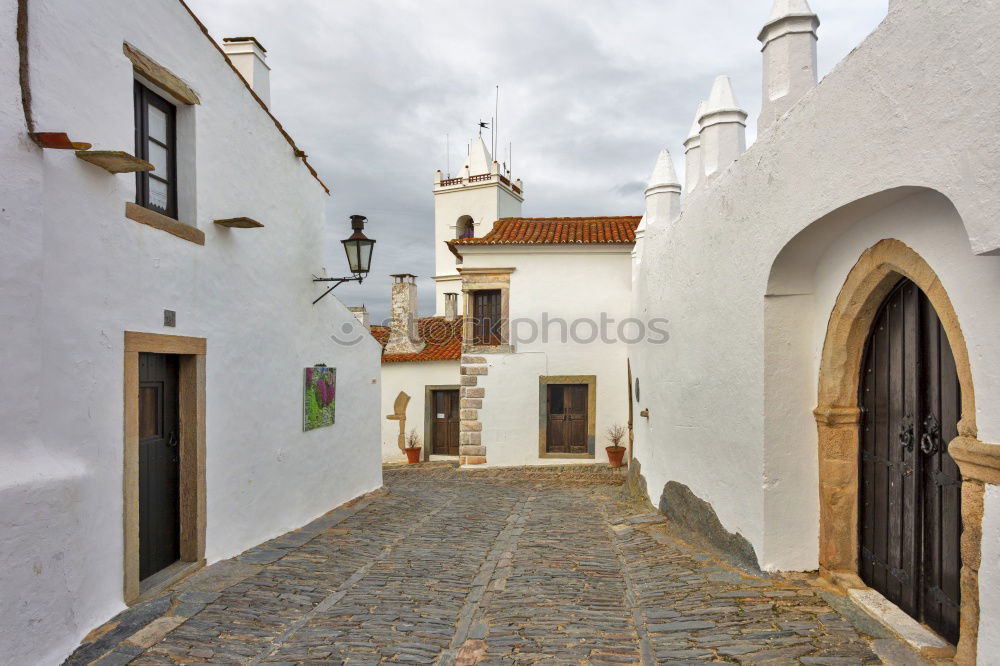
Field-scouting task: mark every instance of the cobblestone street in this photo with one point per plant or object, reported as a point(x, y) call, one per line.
point(501, 566)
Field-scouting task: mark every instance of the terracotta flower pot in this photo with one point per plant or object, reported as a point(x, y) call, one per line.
point(413, 455)
point(615, 455)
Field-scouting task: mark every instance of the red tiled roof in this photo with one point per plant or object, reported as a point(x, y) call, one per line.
point(557, 230)
point(443, 338)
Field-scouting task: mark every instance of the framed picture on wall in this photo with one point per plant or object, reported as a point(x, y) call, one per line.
point(319, 397)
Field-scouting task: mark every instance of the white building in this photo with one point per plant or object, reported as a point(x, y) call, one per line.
point(529, 372)
point(831, 293)
point(174, 307)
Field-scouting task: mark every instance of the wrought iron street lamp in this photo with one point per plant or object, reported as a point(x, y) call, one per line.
point(359, 256)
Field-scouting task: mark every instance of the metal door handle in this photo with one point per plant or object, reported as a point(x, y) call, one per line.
point(172, 440)
point(930, 441)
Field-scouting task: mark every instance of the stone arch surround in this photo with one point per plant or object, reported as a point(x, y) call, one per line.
point(838, 417)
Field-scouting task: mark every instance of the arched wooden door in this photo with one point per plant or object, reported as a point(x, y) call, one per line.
point(910, 488)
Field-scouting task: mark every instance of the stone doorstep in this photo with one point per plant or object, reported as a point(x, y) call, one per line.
point(153, 632)
point(922, 640)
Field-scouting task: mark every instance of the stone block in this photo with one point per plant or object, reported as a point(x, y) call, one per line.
point(472, 450)
point(474, 438)
point(469, 414)
point(475, 370)
point(473, 392)
point(473, 359)
point(475, 460)
point(468, 381)
point(470, 426)
point(153, 632)
point(471, 403)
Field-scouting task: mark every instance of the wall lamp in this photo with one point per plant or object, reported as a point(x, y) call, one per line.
point(359, 256)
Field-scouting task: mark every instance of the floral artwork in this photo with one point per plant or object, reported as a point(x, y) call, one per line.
point(318, 397)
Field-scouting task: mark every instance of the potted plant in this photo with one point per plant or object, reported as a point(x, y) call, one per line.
point(616, 435)
point(412, 447)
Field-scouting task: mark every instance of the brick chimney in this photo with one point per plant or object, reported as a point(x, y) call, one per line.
point(404, 338)
point(249, 58)
point(450, 306)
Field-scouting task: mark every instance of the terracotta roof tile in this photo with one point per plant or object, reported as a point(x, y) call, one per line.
point(557, 230)
point(443, 338)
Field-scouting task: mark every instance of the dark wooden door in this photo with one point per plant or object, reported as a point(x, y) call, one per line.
point(566, 430)
point(910, 487)
point(444, 431)
point(159, 463)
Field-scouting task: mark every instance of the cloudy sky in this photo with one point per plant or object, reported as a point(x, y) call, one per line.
point(590, 91)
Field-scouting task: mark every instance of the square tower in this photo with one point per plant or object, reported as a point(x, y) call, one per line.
point(467, 206)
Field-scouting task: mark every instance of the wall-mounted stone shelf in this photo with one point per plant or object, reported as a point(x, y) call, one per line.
point(239, 223)
point(114, 161)
point(59, 141)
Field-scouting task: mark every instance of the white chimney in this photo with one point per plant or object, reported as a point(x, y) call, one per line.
point(450, 306)
point(249, 58)
point(404, 337)
point(789, 47)
point(361, 314)
point(693, 167)
point(723, 129)
point(663, 195)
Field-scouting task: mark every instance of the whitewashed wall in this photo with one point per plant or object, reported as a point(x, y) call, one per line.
point(989, 579)
point(574, 284)
point(878, 122)
point(411, 378)
point(485, 204)
point(75, 274)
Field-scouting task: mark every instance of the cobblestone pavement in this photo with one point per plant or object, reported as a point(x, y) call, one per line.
point(450, 566)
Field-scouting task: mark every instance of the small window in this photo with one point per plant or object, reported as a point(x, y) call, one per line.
point(486, 317)
point(156, 142)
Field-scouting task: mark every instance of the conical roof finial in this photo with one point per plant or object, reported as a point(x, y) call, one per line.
point(784, 8)
point(664, 173)
point(480, 161)
point(722, 97)
point(696, 123)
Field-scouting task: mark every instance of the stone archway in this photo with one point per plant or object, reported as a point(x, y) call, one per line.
point(838, 417)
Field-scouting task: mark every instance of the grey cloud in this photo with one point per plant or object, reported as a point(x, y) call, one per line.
point(590, 92)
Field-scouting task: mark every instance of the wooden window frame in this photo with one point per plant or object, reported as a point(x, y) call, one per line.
point(487, 327)
point(143, 98)
point(191, 387)
point(478, 279)
point(590, 381)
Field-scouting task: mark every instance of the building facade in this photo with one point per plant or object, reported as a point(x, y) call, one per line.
point(157, 323)
point(523, 365)
point(828, 396)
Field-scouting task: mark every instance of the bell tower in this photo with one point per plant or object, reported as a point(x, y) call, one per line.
point(467, 206)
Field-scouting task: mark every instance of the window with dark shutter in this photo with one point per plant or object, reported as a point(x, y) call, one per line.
point(486, 317)
point(156, 142)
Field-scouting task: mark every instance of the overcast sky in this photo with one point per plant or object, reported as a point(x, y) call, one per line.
point(590, 91)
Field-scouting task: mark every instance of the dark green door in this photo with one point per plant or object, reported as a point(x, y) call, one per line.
point(159, 463)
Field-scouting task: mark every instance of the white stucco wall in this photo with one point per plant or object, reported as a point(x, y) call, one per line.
point(412, 378)
point(730, 395)
point(576, 285)
point(485, 203)
point(989, 579)
point(75, 274)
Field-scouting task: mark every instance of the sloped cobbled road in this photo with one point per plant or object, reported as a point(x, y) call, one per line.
point(490, 567)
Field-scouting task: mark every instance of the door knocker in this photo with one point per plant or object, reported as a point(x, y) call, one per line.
point(906, 432)
point(930, 442)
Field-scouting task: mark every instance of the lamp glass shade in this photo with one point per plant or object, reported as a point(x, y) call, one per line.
point(359, 254)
